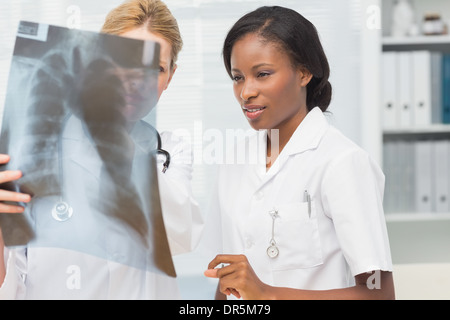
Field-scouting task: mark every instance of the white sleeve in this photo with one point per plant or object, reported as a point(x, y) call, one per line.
point(13, 286)
point(182, 216)
point(352, 195)
point(212, 240)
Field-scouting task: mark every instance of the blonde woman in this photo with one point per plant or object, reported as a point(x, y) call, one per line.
point(38, 273)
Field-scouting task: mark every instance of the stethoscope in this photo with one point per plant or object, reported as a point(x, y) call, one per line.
point(165, 153)
point(159, 149)
point(62, 211)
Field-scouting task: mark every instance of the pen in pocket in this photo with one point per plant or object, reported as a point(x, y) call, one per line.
point(307, 198)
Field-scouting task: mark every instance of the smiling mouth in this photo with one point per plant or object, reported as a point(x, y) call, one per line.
point(253, 110)
point(253, 113)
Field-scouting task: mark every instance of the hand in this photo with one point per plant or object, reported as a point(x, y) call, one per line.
point(237, 277)
point(9, 176)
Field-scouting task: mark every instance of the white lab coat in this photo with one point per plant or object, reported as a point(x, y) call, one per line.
point(63, 273)
point(343, 236)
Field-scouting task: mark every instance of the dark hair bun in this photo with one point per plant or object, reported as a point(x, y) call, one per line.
point(320, 92)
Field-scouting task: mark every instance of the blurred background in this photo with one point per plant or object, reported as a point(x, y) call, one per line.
point(388, 63)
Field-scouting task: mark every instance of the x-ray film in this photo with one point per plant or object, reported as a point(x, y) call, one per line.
point(75, 124)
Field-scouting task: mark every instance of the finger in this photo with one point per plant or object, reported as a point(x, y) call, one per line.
point(225, 258)
point(10, 175)
point(4, 158)
point(211, 273)
point(231, 291)
point(14, 196)
point(228, 290)
point(7, 208)
point(215, 262)
point(235, 293)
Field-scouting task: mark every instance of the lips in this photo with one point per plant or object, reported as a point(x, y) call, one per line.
point(134, 99)
point(253, 112)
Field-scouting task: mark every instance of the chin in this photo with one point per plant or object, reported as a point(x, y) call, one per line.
point(134, 114)
point(257, 125)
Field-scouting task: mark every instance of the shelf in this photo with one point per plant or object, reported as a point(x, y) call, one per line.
point(431, 43)
point(434, 128)
point(391, 41)
point(432, 131)
point(400, 217)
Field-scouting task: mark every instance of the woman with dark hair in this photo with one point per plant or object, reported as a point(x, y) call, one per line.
point(307, 221)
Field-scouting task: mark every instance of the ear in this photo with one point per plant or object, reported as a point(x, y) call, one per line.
point(305, 77)
point(172, 72)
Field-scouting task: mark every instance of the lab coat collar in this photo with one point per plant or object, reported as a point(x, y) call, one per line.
point(308, 134)
point(306, 137)
point(145, 137)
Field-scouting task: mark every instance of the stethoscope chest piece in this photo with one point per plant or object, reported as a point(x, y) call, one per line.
point(273, 251)
point(62, 211)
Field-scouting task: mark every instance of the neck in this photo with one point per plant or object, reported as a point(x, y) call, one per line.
point(129, 125)
point(276, 141)
point(278, 138)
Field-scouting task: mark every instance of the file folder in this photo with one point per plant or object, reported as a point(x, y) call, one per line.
point(446, 90)
point(421, 88)
point(436, 87)
point(405, 83)
point(423, 173)
point(441, 175)
point(389, 90)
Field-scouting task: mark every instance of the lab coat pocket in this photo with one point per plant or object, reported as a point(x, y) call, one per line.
point(297, 237)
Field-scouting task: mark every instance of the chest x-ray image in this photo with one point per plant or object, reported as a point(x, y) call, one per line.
point(76, 124)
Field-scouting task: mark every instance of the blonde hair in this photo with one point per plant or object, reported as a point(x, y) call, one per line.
point(153, 14)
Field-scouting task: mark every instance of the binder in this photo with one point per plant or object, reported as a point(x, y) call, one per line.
point(410, 178)
point(396, 175)
point(421, 66)
point(441, 175)
point(389, 157)
point(423, 173)
point(405, 83)
point(396, 190)
point(436, 87)
point(446, 90)
point(403, 183)
point(389, 90)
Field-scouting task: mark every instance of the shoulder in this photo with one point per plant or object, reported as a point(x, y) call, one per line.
point(334, 137)
point(338, 146)
point(346, 157)
point(178, 146)
point(173, 142)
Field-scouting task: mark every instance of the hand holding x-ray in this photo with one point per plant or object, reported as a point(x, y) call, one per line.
point(76, 124)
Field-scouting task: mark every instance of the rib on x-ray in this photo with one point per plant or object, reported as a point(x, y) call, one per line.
point(76, 124)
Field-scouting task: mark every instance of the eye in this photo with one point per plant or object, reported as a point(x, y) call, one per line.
point(263, 74)
point(237, 78)
point(161, 69)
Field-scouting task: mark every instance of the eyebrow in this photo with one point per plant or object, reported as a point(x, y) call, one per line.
point(255, 67)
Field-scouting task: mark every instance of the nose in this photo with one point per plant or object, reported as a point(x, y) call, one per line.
point(249, 90)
